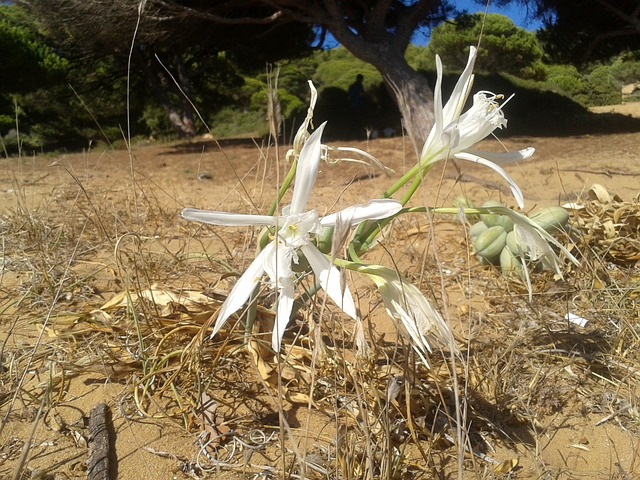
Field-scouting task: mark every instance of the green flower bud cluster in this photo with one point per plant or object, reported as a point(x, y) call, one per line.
point(495, 241)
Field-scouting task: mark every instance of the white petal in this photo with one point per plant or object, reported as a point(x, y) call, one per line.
point(436, 130)
point(525, 223)
point(505, 158)
point(458, 98)
point(226, 219)
point(405, 302)
point(303, 131)
point(419, 343)
point(425, 318)
point(242, 289)
point(374, 210)
point(307, 170)
point(517, 193)
point(330, 280)
point(283, 315)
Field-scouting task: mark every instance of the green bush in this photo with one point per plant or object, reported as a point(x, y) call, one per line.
point(626, 68)
point(340, 68)
point(566, 79)
point(604, 88)
point(232, 123)
point(420, 59)
point(505, 48)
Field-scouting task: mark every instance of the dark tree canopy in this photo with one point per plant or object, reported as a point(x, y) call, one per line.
point(375, 31)
point(200, 55)
point(94, 27)
point(26, 62)
point(577, 31)
point(592, 29)
point(187, 34)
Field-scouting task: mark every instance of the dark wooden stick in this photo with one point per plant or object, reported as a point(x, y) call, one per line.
point(98, 467)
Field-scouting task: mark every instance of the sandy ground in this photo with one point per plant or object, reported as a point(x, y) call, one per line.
point(199, 174)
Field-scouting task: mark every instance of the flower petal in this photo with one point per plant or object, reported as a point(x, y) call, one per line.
point(505, 158)
point(330, 280)
point(242, 289)
point(435, 133)
point(307, 170)
point(226, 219)
point(517, 193)
point(419, 342)
point(534, 231)
point(453, 109)
point(406, 303)
point(444, 133)
point(283, 315)
point(303, 132)
point(374, 210)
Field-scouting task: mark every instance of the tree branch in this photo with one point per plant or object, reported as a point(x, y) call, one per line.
point(632, 19)
point(185, 11)
point(310, 14)
point(375, 20)
point(604, 36)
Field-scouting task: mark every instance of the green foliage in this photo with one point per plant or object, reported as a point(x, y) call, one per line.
point(420, 59)
point(230, 122)
point(604, 87)
point(26, 63)
point(599, 84)
point(504, 48)
point(155, 119)
point(566, 79)
point(233, 100)
point(626, 68)
point(338, 69)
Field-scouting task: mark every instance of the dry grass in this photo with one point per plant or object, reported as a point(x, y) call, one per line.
point(341, 414)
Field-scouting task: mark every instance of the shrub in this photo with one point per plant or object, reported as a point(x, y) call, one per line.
point(505, 48)
point(230, 123)
point(604, 87)
point(566, 79)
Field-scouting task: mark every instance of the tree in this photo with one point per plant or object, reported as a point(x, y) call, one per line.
point(180, 60)
point(375, 31)
point(504, 48)
point(577, 31)
point(26, 63)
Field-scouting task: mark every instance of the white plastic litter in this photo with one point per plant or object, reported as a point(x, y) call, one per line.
point(576, 319)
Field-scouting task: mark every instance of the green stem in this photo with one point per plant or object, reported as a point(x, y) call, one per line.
point(402, 181)
point(358, 247)
point(284, 186)
point(370, 230)
point(252, 311)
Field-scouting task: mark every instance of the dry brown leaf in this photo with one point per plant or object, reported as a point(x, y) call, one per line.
point(298, 397)
point(191, 300)
point(506, 467)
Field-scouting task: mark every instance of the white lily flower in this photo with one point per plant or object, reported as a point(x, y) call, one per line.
point(294, 229)
point(406, 303)
point(454, 133)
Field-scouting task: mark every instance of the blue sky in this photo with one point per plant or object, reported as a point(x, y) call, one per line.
point(516, 12)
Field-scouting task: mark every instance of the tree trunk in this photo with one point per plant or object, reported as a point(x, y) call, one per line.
point(414, 98)
point(179, 113)
point(410, 89)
